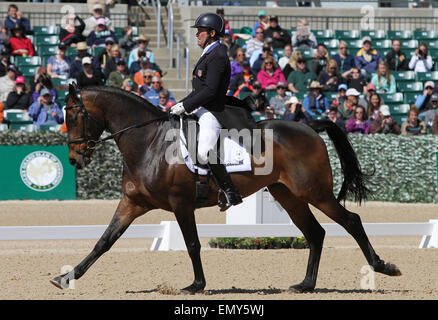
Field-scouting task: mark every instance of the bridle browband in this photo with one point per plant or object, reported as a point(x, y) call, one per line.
point(91, 143)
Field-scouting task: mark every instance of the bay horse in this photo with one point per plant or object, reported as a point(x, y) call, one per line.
point(301, 175)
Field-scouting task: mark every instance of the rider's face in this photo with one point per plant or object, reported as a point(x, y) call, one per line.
point(202, 36)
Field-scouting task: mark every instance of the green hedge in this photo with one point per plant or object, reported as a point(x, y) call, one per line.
point(405, 167)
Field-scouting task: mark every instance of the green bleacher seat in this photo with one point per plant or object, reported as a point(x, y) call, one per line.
point(259, 117)
point(382, 44)
point(307, 53)
point(413, 86)
point(347, 34)
point(431, 43)
point(373, 34)
point(425, 34)
point(96, 50)
point(392, 98)
point(330, 43)
point(426, 76)
point(331, 95)
point(410, 97)
point(28, 127)
point(17, 116)
point(353, 43)
point(241, 42)
point(47, 51)
point(50, 127)
point(270, 93)
point(71, 51)
point(42, 40)
point(300, 95)
point(404, 75)
point(409, 44)
point(324, 34)
point(399, 34)
point(58, 82)
point(399, 109)
point(61, 94)
point(433, 53)
point(243, 94)
point(27, 61)
point(119, 32)
point(245, 30)
point(47, 30)
point(28, 71)
point(279, 52)
point(400, 118)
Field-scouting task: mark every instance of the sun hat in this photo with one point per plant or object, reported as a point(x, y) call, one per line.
point(82, 46)
point(44, 92)
point(342, 86)
point(86, 60)
point(352, 92)
point(315, 85)
point(101, 21)
point(292, 100)
point(20, 79)
point(384, 109)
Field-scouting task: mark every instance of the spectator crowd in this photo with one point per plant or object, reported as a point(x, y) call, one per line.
point(348, 88)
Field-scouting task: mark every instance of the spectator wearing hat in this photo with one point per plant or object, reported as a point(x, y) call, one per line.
point(117, 77)
point(413, 126)
point(4, 61)
point(76, 64)
point(356, 80)
point(97, 37)
point(423, 102)
point(46, 111)
point(20, 96)
point(127, 42)
point(344, 60)
point(131, 86)
point(383, 79)
point(58, 66)
point(261, 102)
point(15, 19)
point(367, 58)
point(315, 102)
point(153, 95)
point(341, 96)
point(142, 44)
point(358, 123)
point(242, 81)
point(303, 38)
point(230, 44)
point(431, 113)
point(330, 78)
point(236, 65)
point(7, 82)
point(41, 81)
point(92, 21)
point(396, 58)
point(333, 116)
point(320, 58)
point(261, 23)
point(383, 122)
point(227, 28)
point(295, 111)
point(111, 65)
point(300, 79)
point(270, 74)
point(20, 44)
point(255, 44)
point(280, 37)
point(88, 76)
point(277, 102)
point(71, 33)
point(346, 110)
point(421, 61)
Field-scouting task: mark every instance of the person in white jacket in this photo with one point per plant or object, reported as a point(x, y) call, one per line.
point(421, 61)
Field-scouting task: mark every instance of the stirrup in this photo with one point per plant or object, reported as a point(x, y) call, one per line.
point(224, 205)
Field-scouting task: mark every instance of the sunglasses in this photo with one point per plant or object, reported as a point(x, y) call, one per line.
point(429, 88)
point(154, 82)
point(259, 32)
point(268, 62)
point(148, 77)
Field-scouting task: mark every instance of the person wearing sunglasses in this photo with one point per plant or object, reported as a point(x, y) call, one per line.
point(153, 94)
point(423, 101)
point(344, 60)
point(255, 44)
point(301, 78)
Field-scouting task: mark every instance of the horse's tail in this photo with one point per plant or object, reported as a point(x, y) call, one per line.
point(354, 178)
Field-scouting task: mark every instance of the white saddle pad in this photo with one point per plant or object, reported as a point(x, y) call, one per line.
point(237, 158)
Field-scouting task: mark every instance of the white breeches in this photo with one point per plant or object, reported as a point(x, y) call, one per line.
point(209, 132)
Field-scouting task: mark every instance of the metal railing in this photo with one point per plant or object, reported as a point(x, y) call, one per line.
point(170, 23)
point(182, 55)
point(157, 10)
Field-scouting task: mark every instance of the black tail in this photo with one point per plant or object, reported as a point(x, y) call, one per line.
point(354, 178)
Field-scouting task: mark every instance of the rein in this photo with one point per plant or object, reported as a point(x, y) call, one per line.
point(90, 143)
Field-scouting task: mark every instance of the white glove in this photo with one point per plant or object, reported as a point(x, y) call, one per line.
point(177, 109)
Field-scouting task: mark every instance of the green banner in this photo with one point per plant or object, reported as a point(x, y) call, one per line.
point(37, 173)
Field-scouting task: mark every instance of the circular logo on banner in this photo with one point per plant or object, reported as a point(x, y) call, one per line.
point(41, 171)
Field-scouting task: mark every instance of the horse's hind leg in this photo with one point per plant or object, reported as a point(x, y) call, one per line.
point(126, 213)
point(303, 218)
point(353, 224)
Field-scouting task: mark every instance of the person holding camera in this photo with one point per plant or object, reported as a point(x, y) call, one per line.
point(40, 82)
point(384, 123)
point(320, 58)
point(295, 111)
point(421, 61)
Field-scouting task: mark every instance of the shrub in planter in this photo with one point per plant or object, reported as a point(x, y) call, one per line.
point(259, 243)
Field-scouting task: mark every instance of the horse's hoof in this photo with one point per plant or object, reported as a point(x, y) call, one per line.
point(61, 282)
point(391, 270)
point(301, 288)
point(193, 289)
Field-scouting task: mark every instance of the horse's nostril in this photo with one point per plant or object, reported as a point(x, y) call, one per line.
point(72, 161)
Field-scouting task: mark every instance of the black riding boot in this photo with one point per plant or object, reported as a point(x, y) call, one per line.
point(232, 196)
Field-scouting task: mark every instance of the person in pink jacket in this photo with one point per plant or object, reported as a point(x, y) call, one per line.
point(270, 74)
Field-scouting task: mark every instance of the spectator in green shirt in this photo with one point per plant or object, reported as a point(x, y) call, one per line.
point(300, 79)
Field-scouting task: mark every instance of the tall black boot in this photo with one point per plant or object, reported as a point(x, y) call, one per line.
point(222, 177)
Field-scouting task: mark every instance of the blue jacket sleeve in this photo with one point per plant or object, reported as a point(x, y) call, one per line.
point(419, 101)
point(306, 106)
point(34, 110)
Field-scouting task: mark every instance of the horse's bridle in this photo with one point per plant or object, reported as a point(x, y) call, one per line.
point(91, 143)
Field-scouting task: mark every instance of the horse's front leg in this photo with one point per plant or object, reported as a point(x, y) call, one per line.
point(185, 215)
point(126, 213)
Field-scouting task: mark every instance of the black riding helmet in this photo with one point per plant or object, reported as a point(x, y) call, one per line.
point(211, 21)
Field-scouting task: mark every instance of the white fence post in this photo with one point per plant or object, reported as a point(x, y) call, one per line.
point(431, 241)
point(172, 238)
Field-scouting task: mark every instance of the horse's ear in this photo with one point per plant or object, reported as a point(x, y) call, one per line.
point(72, 89)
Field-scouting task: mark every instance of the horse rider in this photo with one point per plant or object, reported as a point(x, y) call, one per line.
point(211, 77)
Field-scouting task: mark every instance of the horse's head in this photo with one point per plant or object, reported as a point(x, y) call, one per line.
point(83, 125)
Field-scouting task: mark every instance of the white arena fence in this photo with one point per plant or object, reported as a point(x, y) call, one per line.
point(167, 235)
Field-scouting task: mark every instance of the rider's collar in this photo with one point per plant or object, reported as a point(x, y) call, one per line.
point(210, 47)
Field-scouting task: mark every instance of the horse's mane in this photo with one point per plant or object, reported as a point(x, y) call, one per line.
point(129, 95)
